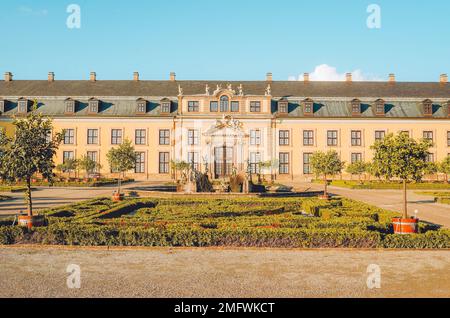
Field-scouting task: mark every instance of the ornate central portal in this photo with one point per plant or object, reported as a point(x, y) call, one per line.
point(223, 161)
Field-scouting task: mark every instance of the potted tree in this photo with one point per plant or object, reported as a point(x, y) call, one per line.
point(444, 167)
point(28, 152)
point(405, 158)
point(121, 159)
point(326, 164)
point(88, 166)
point(357, 168)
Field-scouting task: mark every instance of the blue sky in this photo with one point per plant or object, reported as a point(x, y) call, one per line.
point(242, 40)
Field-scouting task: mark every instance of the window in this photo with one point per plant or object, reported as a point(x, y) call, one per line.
point(308, 138)
point(379, 107)
point(141, 106)
point(193, 137)
point(379, 135)
point(163, 162)
point(283, 107)
point(284, 138)
point(68, 155)
point(255, 137)
point(140, 162)
point(92, 136)
point(214, 106)
point(234, 106)
point(165, 107)
point(116, 136)
point(428, 135)
point(428, 107)
point(284, 162)
point(70, 106)
point(140, 137)
point(448, 138)
point(255, 160)
point(69, 136)
point(224, 100)
point(2, 106)
point(308, 107)
point(23, 106)
point(356, 137)
point(93, 106)
point(164, 137)
point(255, 107)
point(430, 157)
point(193, 106)
point(405, 132)
point(193, 160)
point(332, 138)
point(356, 157)
point(93, 155)
point(356, 107)
point(307, 168)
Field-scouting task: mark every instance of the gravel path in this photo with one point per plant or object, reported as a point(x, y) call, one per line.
point(41, 272)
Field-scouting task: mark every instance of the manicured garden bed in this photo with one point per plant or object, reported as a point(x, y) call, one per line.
point(12, 188)
point(4, 197)
point(242, 222)
point(384, 185)
point(439, 197)
point(20, 186)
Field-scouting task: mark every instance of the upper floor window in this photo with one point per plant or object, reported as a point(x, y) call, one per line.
point(255, 107)
point(116, 136)
point(427, 107)
point(356, 137)
point(70, 106)
point(234, 106)
point(94, 105)
point(428, 135)
point(164, 137)
point(213, 106)
point(308, 107)
point(332, 138)
point(356, 107)
point(308, 138)
point(224, 101)
point(141, 106)
point(23, 106)
point(379, 135)
point(140, 136)
point(92, 136)
point(193, 138)
point(284, 137)
point(69, 136)
point(193, 106)
point(255, 137)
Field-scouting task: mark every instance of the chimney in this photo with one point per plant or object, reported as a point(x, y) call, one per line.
point(306, 77)
point(173, 76)
point(93, 77)
point(269, 77)
point(391, 78)
point(51, 76)
point(136, 76)
point(348, 77)
point(8, 77)
point(444, 79)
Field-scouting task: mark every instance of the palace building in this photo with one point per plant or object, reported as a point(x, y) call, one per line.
point(224, 126)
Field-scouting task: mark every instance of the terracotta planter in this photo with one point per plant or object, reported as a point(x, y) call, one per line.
point(118, 197)
point(405, 226)
point(325, 197)
point(30, 221)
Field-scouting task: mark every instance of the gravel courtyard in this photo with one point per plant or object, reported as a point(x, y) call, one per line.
point(164, 272)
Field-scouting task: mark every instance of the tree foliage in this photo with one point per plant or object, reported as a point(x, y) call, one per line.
point(357, 168)
point(88, 165)
point(326, 164)
point(122, 159)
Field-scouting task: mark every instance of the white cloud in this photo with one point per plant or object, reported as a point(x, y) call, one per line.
point(325, 72)
point(30, 11)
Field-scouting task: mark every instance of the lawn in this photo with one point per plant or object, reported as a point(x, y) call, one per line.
point(78, 183)
point(440, 197)
point(385, 185)
point(241, 222)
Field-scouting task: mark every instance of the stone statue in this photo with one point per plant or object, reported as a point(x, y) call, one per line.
point(241, 90)
point(268, 90)
point(207, 90)
point(180, 90)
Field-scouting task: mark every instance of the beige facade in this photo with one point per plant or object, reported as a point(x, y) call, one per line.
point(226, 126)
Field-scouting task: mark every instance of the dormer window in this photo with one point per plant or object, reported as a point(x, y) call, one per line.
point(283, 106)
point(356, 107)
point(380, 107)
point(94, 106)
point(141, 106)
point(70, 106)
point(448, 107)
point(22, 105)
point(308, 107)
point(165, 106)
point(2, 106)
point(427, 107)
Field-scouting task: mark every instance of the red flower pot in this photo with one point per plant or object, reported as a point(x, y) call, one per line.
point(118, 197)
point(405, 226)
point(30, 221)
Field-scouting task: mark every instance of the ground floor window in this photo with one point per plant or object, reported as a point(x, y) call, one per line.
point(430, 157)
point(140, 162)
point(68, 155)
point(307, 168)
point(284, 162)
point(255, 159)
point(356, 157)
point(163, 162)
point(193, 159)
point(93, 155)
